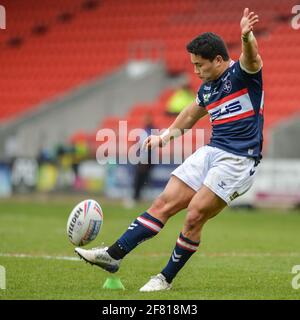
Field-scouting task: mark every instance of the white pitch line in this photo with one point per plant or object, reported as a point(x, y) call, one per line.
point(208, 255)
point(24, 255)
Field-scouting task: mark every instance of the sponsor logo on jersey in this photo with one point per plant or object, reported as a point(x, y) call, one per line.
point(227, 109)
point(227, 86)
point(232, 107)
point(206, 97)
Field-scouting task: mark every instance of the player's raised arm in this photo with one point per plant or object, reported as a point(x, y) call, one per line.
point(185, 120)
point(250, 60)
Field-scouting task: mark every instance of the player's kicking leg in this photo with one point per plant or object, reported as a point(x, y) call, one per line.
point(204, 205)
point(176, 196)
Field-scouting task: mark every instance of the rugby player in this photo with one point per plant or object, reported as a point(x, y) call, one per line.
point(212, 177)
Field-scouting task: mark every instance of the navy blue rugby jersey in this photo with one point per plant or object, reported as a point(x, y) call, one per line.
point(235, 104)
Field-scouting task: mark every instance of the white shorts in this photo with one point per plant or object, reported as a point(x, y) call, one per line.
point(226, 174)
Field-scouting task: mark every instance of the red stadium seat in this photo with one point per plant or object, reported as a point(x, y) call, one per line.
point(95, 42)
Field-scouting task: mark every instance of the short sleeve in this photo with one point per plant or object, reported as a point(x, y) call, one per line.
point(241, 71)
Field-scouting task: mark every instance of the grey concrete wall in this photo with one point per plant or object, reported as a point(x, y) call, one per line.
point(84, 107)
point(285, 140)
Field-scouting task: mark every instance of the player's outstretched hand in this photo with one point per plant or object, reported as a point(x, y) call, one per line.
point(152, 142)
point(248, 21)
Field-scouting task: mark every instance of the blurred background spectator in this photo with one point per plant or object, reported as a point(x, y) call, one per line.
point(181, 98)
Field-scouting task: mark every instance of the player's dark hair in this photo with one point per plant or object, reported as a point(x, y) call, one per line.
point(208, 45)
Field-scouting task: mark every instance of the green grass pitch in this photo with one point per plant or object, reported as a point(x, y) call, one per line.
point(243, 255)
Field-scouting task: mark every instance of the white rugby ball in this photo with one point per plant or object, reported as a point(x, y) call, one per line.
point(85, 222)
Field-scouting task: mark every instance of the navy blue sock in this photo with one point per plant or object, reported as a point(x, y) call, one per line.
point(143, 228)
point(182, 252)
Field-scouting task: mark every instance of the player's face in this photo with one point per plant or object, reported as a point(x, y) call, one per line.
point(205, 69)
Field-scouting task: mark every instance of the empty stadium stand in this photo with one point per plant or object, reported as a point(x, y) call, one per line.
point(50, 47)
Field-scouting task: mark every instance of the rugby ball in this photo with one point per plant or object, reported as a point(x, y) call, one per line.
point(85, 222)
